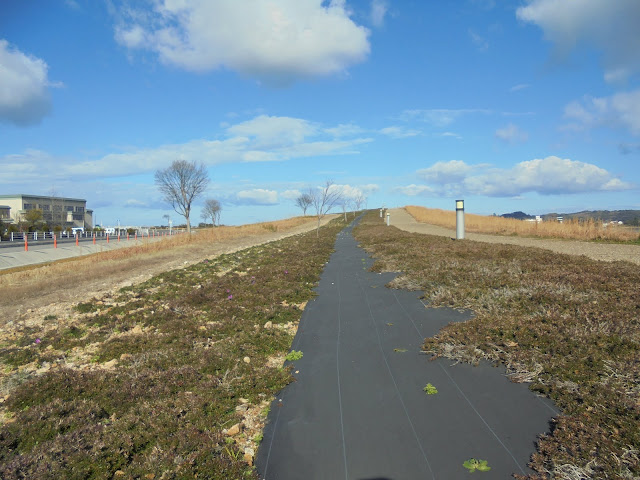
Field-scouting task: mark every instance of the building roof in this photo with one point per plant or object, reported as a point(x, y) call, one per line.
point(48, 197)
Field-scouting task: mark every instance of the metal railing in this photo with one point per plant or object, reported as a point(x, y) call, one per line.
point(100, 234)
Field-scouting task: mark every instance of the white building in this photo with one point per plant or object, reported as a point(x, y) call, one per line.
point(66, 212)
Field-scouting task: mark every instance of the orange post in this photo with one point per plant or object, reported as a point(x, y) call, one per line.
point(107, 238)
point(118, 236)
point(94, 238)
point(136, 236)
point(26, 243)
point(127, 236)
point(55, 241)
point(77, 240)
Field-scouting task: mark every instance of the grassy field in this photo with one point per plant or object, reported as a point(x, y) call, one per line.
point(169, 379)
point(569, 229)
point(567, 324)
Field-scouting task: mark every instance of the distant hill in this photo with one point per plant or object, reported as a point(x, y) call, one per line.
point(628, 217)
point(518, 215)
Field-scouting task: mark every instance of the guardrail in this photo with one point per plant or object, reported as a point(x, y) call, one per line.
point(102, 235)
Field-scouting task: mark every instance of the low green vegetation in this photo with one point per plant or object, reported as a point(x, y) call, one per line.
point(430, 389)
point(480, 465)
point(147, 383)
point(294, 355)
point(567, 324)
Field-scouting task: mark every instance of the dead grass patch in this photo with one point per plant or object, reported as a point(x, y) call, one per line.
point(570, 229)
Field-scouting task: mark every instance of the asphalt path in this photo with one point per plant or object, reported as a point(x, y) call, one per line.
point(13, 254)
point(358, 409)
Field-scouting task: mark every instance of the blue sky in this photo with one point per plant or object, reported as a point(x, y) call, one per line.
point(511, 105)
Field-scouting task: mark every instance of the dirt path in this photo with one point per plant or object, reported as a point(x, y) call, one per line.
point(54, 294)
point(609, 252)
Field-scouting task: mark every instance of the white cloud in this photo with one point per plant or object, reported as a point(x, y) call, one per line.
point(24, 95)
point(446, 172)
point(439, 117)
point(291, 194)
point(619, 110)
point(344, 130)
point(480, 42)
point(270, 130)
point(520, 86)
point(261, 139)
point(548, 176)
point(378, 11)
point(399, 132)
point(511, 134)
point(610, 26)
point(277, 41)
point(413, 190)
point(257, 196)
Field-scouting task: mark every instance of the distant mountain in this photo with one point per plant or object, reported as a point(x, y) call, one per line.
point(628, 217)
point(518, 215)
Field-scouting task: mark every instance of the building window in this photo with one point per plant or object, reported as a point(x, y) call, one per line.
point(45, 208)
point(68, 209)
point(29, 206)
point(78, 216)
point(80, 209)
point(57, 208)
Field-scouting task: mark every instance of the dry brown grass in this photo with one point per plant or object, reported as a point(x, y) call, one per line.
point(570, 229)
point(21, 285)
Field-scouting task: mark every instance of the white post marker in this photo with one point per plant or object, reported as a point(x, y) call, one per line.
point(380, 213)
point(388, 218)
point(459, 219)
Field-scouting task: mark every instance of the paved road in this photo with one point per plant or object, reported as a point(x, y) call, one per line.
point(15, 256)
point(609, 252)
point(358, 410)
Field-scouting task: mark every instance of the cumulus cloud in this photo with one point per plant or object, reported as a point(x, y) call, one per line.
point(609, 26)
point(257, 196)
point(619, 110)
point(511, 134)
point(548, 176)
point(520, 86)
point(291, 194)
point(277, 41)
point(446, 172)
point(24, 94)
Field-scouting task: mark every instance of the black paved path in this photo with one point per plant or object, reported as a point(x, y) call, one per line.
point(358, 410)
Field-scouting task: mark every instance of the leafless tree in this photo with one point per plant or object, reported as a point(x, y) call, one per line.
point(359, 200)
point(304, 201)
point(211, 211)
point(324, 199)
point(181, 183)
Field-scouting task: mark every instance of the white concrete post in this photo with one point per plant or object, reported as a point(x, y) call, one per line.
point(388, 219)
point(459, 219)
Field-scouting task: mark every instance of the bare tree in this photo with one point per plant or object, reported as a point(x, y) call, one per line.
point(181, 183)
point(211, 211)
point(359, 200)
point(304, 201)
point(324, 199)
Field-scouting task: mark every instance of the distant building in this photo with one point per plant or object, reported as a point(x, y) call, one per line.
point(65, 212)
